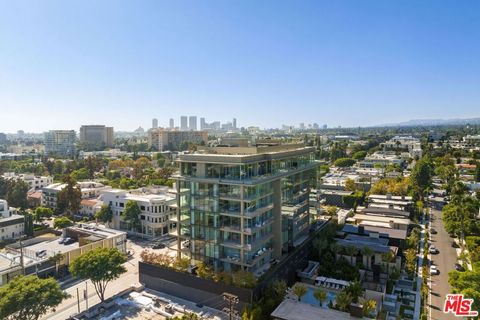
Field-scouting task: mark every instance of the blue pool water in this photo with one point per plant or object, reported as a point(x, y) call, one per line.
point(310, 298)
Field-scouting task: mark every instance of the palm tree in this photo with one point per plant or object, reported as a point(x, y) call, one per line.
point(351, 251)
point(56, 258)
point(354, 290)
point(320, 295)
point(343, 301)
point(299, 289)
point(368, 252)
point(369, 306)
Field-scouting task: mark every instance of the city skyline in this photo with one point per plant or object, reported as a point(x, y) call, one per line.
point(349, 64)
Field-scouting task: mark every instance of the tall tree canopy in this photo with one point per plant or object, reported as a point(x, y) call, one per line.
point(29, 297)
point(101, 266)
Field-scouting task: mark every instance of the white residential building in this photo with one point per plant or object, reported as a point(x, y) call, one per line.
point(11, 225)
point(89, 189)
point(156, 205)
point(33, 181)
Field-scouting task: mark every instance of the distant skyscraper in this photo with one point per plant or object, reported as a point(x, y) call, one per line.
point(325, 126)
point(234, 123)
point(154, 123)
point(183, 123)
point(172, 123)
point(192, 122)
point(203, 124)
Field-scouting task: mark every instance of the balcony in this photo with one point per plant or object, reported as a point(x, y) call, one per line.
point(264, 252)
point(230, 228)
point(258, 226)
point(257, 212)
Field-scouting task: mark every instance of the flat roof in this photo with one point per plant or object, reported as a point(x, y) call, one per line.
point(386, 212)
point(245, 154)
point(359, 216)
point(294, 310)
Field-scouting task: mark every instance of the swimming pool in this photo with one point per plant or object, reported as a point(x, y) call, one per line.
point(310, 298)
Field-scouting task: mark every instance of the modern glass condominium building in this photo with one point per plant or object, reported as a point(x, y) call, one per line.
point(239, 207)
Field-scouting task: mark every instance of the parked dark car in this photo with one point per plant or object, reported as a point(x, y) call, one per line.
point(459, 267)
point(433, 231)
point(158, 245)
point(68, 241)
point(454, 244)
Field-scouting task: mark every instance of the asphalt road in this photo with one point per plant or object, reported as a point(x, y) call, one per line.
point(445, 261)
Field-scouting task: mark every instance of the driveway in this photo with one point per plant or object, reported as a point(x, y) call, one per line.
point(445, 261)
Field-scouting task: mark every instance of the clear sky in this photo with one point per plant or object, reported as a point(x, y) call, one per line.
point(267, 63)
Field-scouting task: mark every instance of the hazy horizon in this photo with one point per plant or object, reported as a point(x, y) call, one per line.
point(350, 63)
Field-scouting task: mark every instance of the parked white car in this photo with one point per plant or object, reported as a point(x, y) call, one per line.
point(434, 270)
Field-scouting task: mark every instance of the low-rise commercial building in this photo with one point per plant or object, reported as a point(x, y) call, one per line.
point(38, 251)
point(89, 189)
point(34, 182)
point(155, 204)
point(12, 225)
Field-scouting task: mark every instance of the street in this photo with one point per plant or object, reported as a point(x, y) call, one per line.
point(69, 306)
point(444, 260)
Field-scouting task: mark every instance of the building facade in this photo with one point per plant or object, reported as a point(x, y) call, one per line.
point(183, 123)
point(156, 206)
point(34, 182)
point(241, 207)
point(97, 134)
point(163, 139)
point(61, 142)
point(12, 226)
point(89, 189)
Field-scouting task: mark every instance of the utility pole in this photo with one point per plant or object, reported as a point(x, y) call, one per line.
point(232, 301)
point(78, 301)
point(85, 293)
point(21, 257)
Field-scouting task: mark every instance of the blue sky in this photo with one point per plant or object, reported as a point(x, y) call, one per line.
point(267, 63)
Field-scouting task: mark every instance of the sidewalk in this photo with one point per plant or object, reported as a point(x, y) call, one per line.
point(69, 306)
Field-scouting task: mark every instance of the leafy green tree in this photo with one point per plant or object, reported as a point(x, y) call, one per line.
point(350, 185)
point(477, 172)
point(299, 289)
point(29, 297)
point(320, 295)
point(354, 290)
point(62, 223)
point(359, 155)
point(410, 260)
point(344, 162)
point(17, 194)
point(244, 279)
point(42, 213)
point(80, 174)
point(69, 198)
point(101, 266)
point(105, 214)
point(420, 178)
point(131, 215)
